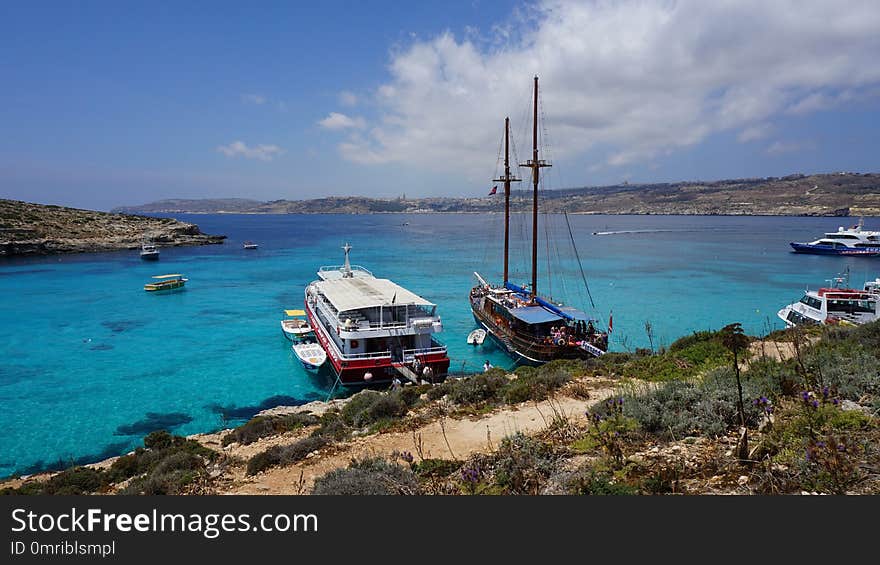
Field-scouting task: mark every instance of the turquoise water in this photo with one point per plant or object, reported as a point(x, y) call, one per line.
point(92, 363)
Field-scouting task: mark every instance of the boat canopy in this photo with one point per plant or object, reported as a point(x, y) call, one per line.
point(535, 315)
point(295, 312)
point(359, 293)
point(167, 276)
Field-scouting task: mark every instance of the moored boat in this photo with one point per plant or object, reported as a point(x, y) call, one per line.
point(835, 305)
point(852, 241)
point(476, 337)
point(310, 354)
point(530, 328)
point(149, 252)
point(295, 327)
point(166, 282)
point(250, 245)
point(373, 329)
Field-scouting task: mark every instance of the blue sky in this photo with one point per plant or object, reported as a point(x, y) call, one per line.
point(113, 103)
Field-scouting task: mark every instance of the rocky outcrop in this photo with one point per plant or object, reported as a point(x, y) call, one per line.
point(36, 229)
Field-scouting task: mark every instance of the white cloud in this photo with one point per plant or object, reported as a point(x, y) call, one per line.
point(781, 147)
point(340, 121)
point(347, 98)
point(638, 79)
point(260, 152)
point(257, 99)
point(754, 132)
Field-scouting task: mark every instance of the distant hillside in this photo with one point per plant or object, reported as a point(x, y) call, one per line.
point(196, 206)
point(837, 194)
point(36, 229)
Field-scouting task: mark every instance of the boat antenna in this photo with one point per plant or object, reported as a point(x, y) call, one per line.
point(346, 267)
point(506, 179)
point(536, 166)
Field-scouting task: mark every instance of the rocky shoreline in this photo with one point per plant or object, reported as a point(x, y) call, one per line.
point(36, 229)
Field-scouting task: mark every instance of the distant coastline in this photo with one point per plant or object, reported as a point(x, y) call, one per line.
point(840, 194)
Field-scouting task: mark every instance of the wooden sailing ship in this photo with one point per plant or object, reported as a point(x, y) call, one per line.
point(532, 329)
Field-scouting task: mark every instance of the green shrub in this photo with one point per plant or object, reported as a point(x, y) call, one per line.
point(160, 439)
point(522, 464)
point(75, 481)
point(285, 454)
point(265, 426)
point(591, 482)
point(675, 409)
point(374, 476)
point(436, 467)
point(332, 427)
point(368, 407)
point(262, 461)
point(478, 389)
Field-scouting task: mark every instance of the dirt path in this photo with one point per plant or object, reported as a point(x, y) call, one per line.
point(445, 438)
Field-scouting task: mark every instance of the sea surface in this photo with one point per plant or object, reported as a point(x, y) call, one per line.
point(91, 363)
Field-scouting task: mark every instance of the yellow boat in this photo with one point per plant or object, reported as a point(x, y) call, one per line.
point(166, 282)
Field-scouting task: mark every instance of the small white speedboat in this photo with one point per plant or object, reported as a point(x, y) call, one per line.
point(310, 354)
point(476, 337)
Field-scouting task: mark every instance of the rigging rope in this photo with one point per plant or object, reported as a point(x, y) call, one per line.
point(583, 276)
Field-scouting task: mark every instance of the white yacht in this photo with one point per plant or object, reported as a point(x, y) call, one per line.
point(837, 305)
point(845, 241)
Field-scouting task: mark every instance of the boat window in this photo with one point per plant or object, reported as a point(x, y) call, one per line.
point(812, 302)
point(797, 318)
point(840, 236)
point(852, 306)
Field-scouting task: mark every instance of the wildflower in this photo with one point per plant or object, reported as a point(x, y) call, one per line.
point(407, 456)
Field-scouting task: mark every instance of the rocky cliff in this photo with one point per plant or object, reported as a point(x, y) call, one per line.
point(36, 229)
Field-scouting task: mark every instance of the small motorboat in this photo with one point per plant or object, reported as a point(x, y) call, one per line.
point(310, 354)
point(250, 245)
point(166, 282)
point(476, 337)
point(149, 252)
point(295, 328)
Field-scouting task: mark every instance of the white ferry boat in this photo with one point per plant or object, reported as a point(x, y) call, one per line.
point(845, 241)
point(373, 329)
point(835, 305)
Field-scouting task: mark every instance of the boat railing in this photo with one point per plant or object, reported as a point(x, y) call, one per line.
point(371, 355)
point(327, 268)
point(409, 353)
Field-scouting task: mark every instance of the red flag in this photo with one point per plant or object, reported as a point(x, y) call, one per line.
point(494, 190)
point(611, 322)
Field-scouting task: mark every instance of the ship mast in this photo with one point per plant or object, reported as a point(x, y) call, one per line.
point(506, 179)
point(535, 164)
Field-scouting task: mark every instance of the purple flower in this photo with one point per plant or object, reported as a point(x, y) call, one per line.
point(815, 404)
point(407, 456)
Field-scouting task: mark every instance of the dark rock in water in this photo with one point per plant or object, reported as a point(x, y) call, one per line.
point(154, 421)
point(101, 347)
point(233, 412)
point(111, 450)
point(122, 325)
